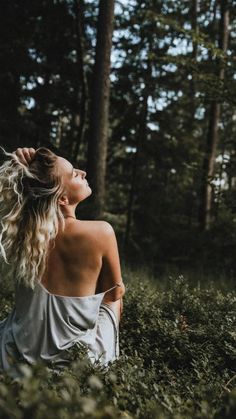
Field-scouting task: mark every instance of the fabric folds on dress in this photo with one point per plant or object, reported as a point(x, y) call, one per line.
point(43, 326)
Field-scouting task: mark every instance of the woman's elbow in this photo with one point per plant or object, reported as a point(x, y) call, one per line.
point(116, 294)
point(120, 292)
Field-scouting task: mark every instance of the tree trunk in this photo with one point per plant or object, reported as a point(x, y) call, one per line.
point(141, 135)
point(43, 117)
point(230, 171)
point(9, 103)
point(194, 58)
point(205, 211)
point(97, 145)
point(80, 105)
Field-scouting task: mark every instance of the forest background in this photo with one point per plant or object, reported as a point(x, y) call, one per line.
point(142, 95)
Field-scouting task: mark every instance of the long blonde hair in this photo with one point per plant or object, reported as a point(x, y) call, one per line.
point(29, 213)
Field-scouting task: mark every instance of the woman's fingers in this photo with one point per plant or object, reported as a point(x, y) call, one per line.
point(20, 155)
point(31, 152)
point(25, 154)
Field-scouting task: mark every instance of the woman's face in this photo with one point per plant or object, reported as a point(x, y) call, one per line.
point(76, 187)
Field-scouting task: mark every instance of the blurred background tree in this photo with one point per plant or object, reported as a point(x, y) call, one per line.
point(164, 174)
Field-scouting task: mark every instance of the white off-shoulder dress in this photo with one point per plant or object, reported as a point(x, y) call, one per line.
point(43, 326)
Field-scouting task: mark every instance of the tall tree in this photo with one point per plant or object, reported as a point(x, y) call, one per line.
point(205, 213)
point(81, 93)
point(97, 145)
point(194, 56)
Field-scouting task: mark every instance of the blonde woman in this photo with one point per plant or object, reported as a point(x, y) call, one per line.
point(68, 284)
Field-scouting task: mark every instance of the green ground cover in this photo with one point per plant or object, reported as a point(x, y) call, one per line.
point(178, 360)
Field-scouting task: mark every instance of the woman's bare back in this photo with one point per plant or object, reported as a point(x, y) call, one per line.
point(84, 260)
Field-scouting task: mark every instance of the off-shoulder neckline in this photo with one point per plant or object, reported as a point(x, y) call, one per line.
point(76, 297)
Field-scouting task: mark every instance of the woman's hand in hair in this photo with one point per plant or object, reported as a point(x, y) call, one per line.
point(25, 154)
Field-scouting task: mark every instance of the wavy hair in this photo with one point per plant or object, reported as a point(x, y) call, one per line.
point(29, 213)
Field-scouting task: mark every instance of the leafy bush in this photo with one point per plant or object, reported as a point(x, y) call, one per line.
point(178, 360)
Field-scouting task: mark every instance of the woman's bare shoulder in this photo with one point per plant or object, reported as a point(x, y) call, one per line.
point(85, 233)
point(97, 233)
point(96, 226)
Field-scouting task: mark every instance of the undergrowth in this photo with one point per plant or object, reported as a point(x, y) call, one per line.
point(178, 360)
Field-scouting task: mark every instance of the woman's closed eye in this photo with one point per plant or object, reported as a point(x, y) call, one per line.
point(81, 172)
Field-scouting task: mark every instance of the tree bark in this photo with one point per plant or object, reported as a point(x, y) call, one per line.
point(194, 58)
point(97, 145)
point(141, 135)
point(80, 105)
point(205, 211)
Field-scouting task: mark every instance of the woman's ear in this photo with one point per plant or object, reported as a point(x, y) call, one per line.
point(63, 200)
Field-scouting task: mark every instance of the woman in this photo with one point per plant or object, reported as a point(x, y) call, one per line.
point(67, 271)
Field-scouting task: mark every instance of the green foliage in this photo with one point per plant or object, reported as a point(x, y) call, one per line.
point(161, 93)
point(178, 360)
